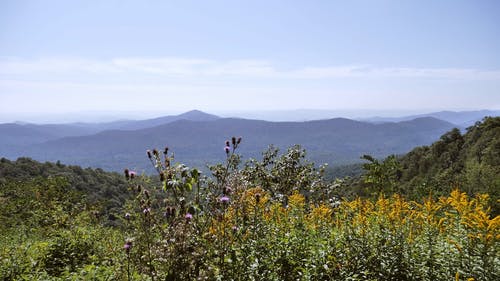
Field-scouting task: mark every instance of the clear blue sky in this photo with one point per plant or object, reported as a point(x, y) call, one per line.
point(171, 56)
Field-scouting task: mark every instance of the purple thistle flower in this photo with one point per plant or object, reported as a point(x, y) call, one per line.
point(127, 246)
point(146, 211)
point(227, 149)
point(224, 199)
point(132, 174)
point(188, 216)
point(127, 216)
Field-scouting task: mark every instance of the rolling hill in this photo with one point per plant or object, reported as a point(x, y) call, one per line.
point(196, 143)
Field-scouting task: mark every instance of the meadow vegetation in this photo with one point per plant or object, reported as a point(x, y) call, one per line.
point(269, 219)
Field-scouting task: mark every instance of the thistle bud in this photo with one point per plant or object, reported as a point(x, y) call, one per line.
point(127, 246)
point(227, 143)
point(238, 141)
point(257, 198)
point(167, 212)
point(155, 152)
point(149, 153)
point(166, 150)
point(227, 190)
point(127, 174)
point(146, 193)
point(233, 141)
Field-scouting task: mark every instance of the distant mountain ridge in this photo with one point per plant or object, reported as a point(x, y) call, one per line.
point(28, 133)
point(199, 141)
point(193, 115)
point(459, 118)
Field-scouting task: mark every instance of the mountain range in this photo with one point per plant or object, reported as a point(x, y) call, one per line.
point(197, 139)
point(459, 118)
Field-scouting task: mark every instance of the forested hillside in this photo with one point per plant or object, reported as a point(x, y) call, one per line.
point(104, 190)
point(469, 162)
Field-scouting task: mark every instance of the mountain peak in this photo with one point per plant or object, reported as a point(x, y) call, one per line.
point(197, 115)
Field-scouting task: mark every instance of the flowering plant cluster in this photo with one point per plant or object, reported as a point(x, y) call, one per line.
point(273, 219)
point(278, 220)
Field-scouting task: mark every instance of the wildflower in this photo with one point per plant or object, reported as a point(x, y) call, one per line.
point(146, 211)
point(127, 246)
point(233, 140)
point(227, 149)
point(149, 153)
point(238, 140)
point(127, 174)
point(132, 174)
point(127, 216)
point(188, 216)
point(166, 150)
point(227, 143)
point(224, 199)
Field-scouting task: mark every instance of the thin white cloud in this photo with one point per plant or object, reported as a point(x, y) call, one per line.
point(193, 68)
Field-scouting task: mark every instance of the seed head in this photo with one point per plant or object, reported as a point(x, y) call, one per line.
point(257, 198)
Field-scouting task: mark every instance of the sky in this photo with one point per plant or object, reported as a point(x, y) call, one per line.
point(83, 59)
